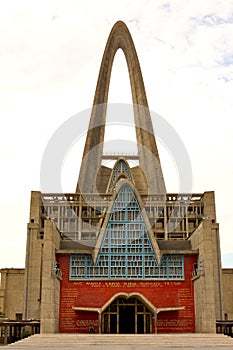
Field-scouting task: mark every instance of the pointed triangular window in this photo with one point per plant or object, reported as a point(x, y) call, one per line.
point(121, 168)
point(126, 250)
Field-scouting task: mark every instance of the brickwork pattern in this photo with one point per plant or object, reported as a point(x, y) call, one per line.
point(96, 293)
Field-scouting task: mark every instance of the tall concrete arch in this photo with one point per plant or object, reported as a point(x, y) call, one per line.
point(149, 161)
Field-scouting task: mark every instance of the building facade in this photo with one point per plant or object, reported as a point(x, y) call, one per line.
point(120, 255)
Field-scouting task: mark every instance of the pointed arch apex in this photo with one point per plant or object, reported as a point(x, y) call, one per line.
point(149, 161)
point(121, 168)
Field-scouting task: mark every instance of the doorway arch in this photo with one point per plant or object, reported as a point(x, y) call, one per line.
point(127, 315)
point(142, 306)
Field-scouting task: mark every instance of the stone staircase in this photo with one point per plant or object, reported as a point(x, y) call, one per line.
point(123, 342)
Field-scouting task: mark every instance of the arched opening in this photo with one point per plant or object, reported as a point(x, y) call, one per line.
point(127, 316)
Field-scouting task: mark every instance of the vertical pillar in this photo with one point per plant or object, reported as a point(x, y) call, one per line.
point(100, 322)
point(50, 295)
point(165, 223)
point(5, 334)
point(155, 322)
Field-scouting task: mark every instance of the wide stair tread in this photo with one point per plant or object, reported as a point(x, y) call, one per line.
point(127, 341)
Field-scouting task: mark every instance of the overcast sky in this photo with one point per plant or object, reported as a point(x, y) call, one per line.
point(50, 57)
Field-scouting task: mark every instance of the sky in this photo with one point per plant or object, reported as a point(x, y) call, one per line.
point(50, 54)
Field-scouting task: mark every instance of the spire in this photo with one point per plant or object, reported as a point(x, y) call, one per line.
point(149, 161)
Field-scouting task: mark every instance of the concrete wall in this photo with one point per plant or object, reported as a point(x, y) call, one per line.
point(34, 251)
point(12, 292)
point(50, 297)
point(41, 286)
point(227, 282)
point(207, 283)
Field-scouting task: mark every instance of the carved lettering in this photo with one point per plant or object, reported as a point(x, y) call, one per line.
point(112, 284)
point(93, 284)
point(129, 284)
point(87, 323)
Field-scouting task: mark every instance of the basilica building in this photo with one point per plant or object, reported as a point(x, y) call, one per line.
point(120, 254)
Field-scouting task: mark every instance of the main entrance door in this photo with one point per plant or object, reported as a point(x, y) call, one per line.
point(126, 319)
point(127, 316)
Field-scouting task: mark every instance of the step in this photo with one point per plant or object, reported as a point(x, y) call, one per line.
point(125, 342)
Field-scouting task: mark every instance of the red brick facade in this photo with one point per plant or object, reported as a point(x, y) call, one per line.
point(92, 294)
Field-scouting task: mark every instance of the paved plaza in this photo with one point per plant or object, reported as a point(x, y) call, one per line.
point(124, 342)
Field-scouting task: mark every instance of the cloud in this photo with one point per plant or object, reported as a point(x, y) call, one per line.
point(213, 20)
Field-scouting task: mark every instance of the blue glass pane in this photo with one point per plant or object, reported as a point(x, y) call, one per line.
point(126, 250)
point(121, 168)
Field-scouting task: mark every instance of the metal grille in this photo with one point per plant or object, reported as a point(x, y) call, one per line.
point(126, 250)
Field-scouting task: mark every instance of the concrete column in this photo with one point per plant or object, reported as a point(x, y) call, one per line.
point(206, 285)
point(100, 318)
point(50, 296)
point(155, 322)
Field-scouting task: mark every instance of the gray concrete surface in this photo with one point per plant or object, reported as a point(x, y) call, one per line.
point(124, 342)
